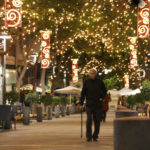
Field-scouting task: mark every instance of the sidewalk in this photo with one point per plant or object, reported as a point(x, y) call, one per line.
point(58, 134)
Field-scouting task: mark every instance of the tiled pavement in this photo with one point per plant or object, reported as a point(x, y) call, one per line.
point(57, 134)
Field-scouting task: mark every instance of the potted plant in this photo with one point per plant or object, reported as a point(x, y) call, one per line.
point(139, 98)
point(11, 97)
point(47, 101)
point(68, 109)
point(39, 109)
point(30, 98)
point(130, 101)
point(63, 106)
point(56, 102)
point(145, 91)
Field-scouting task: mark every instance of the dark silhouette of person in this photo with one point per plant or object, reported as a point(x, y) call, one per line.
point(94, 91)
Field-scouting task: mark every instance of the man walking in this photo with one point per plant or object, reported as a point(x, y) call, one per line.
point(94, 91)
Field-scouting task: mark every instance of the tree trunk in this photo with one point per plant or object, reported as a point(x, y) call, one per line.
point(20, 78)
point(43, 81)
point(35, 78)
point(53, 86)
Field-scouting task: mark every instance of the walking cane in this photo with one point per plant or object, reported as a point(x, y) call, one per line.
point(81, 123)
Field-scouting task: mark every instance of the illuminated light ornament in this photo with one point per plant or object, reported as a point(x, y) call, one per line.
point(143, 19)
point(75, 70)
point(45, 48)
point(141, 73)
point(126, 81)
point(133, 52)
point(13, 10)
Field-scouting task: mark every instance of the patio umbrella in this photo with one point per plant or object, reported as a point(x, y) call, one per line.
point(125, 92)
point(29, 87)
point(134, 92)
point(70, 90)
point(113, 92)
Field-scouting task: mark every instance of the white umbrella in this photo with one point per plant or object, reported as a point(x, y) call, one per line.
point(125, 91)
point(29, 87)
point(113, 92)
point(68, 90)
point(134, 92)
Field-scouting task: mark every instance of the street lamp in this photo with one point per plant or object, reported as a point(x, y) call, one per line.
point(3, 67)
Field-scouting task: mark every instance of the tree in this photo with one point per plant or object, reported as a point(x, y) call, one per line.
point(110, 83)
point(146, 90)
point(97, 29)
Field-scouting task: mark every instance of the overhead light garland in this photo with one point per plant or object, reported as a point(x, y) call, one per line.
point(106, 21)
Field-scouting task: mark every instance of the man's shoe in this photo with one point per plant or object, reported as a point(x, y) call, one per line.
point(89, 139)
point(95, 139)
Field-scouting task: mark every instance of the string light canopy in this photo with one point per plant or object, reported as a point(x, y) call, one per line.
point(108, 21)
point(93, 63)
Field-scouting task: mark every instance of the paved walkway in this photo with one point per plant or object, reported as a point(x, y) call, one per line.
point(58, 134)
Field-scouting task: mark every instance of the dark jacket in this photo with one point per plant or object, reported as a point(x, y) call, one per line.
point(93, 90)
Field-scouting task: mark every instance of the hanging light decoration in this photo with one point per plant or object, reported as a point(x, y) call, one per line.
point(74, 70)
point(143, 19)
point(13, 9)
point(133, 52)
point(45, 48)
point(126, 81)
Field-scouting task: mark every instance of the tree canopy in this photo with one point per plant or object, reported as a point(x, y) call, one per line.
point(95, 32)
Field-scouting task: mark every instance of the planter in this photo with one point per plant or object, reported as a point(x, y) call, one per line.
point(120, 114)
point(57, 111)
point(68, 110)
point(49, 112)
point(73, 109)
point(7, 125)
point(132, 133)
point(26, 115)
point(5, 116)
point(63, 109)
point(39, 113)
point(27, 104)
point(34, 107)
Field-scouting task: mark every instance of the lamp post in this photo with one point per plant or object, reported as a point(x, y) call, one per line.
point(2, 76)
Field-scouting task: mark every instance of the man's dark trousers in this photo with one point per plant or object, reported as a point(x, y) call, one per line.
point(93, 114)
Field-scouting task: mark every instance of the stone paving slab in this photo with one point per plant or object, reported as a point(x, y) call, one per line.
point(58, 134)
